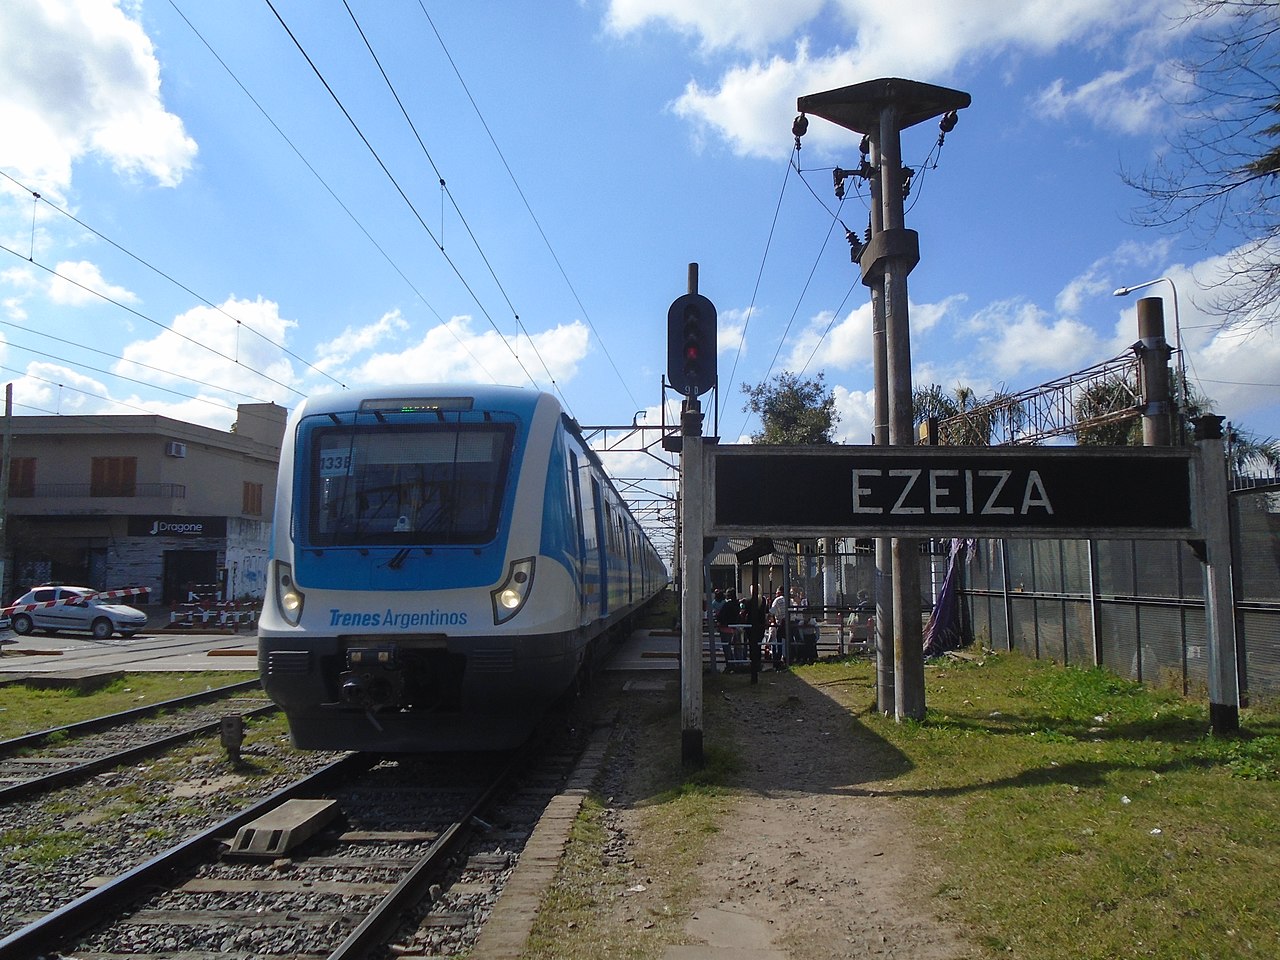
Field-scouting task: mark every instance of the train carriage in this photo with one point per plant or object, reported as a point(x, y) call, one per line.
point(446, 559)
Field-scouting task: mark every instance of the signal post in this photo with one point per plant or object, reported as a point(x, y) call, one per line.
point(691, 368)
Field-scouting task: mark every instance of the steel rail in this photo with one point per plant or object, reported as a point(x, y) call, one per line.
point(382, 921)
point(125, 716)
point(59, 778)
point(83, 914)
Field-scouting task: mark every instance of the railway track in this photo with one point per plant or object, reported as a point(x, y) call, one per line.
point(416, 855)
point(48, 759)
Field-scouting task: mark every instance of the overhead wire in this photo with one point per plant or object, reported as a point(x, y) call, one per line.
point(142, 316)
point(800, 299)
point(764, 257)
point(120, 376)
point(831, 323)
point(320, 179)
point(444, 187)
point(177, 283)
point(525, 200)
point(64, 386)
point(399, 189)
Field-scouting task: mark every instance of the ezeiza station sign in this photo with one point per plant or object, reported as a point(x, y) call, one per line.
point(1069, 492)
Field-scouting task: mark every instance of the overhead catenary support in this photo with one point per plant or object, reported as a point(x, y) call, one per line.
point(882, 109)
point(1220, 624)
point(1153, 374)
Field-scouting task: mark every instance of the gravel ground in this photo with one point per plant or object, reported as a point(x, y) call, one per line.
point(814, 850)
point(52, 845)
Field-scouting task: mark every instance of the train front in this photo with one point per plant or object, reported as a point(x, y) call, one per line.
point(412, 603)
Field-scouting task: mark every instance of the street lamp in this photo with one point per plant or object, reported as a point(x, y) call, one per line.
point(1177, 336)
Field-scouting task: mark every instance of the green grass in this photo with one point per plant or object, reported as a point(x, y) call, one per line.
point(26, 709)
point(587, 913)
point(1078, 815)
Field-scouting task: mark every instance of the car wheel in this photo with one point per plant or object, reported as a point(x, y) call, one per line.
point(102, 628)
point(21, 624)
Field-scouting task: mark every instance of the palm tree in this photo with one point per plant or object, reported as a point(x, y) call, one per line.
point(1249, 455)
point(1106, 414)
point(966, 419)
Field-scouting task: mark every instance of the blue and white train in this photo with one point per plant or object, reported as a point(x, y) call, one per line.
point(446, 560)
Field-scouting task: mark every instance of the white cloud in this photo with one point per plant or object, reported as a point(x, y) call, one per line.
point(738, 23)
point(80, 77)
point(1018, 337)
point(51, 388)
point(1111, 100)
point(207, 344)
point(856, 409)
point(333, 354)
point(453, 351)
point(751, 104)
point(80, 282)
point(827, 345)
point(731, 329)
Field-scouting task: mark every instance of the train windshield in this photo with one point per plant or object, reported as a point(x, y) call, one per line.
point(411, 484)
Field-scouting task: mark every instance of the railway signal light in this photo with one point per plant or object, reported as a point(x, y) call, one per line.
point(691, 344)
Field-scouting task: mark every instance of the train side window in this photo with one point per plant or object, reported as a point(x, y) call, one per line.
point(576, 491)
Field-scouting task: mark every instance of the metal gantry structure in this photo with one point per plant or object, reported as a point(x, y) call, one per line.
point(652, 499)
point(1050, 409)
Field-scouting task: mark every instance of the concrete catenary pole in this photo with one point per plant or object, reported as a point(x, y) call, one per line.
point(883, 109)
point(1153, 365)
point(880, 376)
point(908, 659)
point(1220, 622)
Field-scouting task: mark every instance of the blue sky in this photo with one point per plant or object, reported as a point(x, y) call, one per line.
point(253, 247)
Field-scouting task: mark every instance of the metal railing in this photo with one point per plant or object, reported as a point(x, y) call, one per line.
point(63, 491)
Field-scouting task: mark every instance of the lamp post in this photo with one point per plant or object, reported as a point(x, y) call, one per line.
point(1177, 336)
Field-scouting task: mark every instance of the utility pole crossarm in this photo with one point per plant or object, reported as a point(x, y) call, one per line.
point(858, 107)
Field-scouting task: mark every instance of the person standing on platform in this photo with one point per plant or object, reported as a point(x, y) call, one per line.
point(778, 610)
point(726, 615)
point(753, 614)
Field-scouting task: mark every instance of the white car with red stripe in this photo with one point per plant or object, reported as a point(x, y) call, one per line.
point(52, 608)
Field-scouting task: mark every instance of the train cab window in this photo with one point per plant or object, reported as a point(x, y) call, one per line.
point(408, 484)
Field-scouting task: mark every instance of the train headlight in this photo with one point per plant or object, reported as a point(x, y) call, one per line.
point(514, 591)
point(288, 597)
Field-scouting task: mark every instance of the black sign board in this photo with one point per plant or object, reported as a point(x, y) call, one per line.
point(951, 491)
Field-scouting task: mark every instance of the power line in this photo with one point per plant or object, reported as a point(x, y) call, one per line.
point(523, 199)
point(177, 283)
point(143, 316)
point(449, 193)
point(764, 257)
point(345, 209)
point(120, 376)
point(409, 203)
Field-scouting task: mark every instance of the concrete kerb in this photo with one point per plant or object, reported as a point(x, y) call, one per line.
point(504, 935)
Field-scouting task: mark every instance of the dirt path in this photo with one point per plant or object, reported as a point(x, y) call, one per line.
point(817, 851)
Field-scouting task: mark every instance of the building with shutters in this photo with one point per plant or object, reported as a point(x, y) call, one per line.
point(115, 501)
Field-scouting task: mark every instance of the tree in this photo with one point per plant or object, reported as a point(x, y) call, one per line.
point(1106, 414)
point(1220, 173)
point(792, 411)
point(1250, 455)
point(975, 421)
point(1098, 413)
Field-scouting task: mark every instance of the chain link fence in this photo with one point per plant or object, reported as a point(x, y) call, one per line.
point(1135, 607)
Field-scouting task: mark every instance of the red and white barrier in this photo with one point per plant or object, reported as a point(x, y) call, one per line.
point(78, 598)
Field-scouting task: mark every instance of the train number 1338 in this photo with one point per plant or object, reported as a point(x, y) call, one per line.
point(336, 464)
